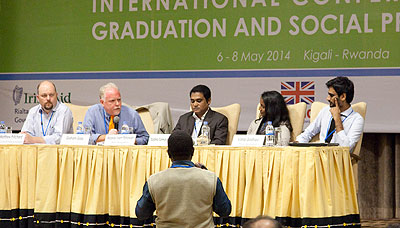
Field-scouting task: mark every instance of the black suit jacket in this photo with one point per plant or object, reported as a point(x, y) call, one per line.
point(218, 126)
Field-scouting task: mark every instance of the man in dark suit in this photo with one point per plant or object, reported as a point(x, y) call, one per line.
point(191, 122)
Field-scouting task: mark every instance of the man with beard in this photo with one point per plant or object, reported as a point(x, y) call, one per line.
point(338, 123)
point(101, 117)
point(49, 120)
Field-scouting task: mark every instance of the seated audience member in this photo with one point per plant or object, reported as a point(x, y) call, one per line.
point(191, 122)
point(262, 222)
point(272, 108)
point(47, 121)
point(183, 195)
point(338, 123)
point(100, 117)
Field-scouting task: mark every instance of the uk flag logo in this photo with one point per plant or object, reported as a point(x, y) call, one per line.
point(298, 91)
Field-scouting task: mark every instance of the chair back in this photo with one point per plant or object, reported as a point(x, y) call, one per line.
point(144, 114)
point(316, 107)
point(297, 113)
point(232, 112)
point(78, 113)
point(360, 107)
point(156, 117)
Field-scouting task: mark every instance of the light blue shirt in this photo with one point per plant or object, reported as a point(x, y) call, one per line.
point(49, 126)
point(353, 125)
point(98, 119)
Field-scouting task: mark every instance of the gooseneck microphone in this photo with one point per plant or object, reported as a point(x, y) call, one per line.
point(116, 121)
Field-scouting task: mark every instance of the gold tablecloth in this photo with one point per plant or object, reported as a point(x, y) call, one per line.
point(294, 184)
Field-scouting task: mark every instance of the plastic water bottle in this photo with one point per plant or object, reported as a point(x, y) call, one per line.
point(269, 134)
point(205, 134)
point(80, 129)
point(125, 128)
point(3, 128)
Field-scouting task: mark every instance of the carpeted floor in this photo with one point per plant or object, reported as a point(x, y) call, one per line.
point(379, 223)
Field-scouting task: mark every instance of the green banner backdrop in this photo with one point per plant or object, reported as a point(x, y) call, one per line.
point(148, 35)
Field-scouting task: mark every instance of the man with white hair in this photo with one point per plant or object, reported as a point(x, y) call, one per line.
point(101, 117)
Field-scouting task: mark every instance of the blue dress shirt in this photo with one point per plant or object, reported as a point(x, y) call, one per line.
point(49, 126)
point(98, 119)
point(353, 125)
point(221, 204)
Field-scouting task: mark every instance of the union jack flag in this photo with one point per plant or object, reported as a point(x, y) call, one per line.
point(299, 91)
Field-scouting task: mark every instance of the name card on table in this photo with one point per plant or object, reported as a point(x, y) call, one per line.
point(248, 140)
point(16, 139)
point(158, 140)
point(75, 139)
point(120, 140)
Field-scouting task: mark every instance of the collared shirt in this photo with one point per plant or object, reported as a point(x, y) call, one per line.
point(221, 204)
point(49, 126)
point(198, 123)
point(353, 125)
point(98, 119)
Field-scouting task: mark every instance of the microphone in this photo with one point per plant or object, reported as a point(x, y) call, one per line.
point(116, 121)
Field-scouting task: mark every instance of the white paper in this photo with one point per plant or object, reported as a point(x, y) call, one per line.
point(16, 139)
point(248, 140)
point(120, 140)
point(158, 140)
point(75, 139)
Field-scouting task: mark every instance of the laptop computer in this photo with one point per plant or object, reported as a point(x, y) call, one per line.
point(312, 144)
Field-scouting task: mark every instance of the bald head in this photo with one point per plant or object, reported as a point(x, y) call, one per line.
point(47, 95)
point(262, 222)
point(47, 84)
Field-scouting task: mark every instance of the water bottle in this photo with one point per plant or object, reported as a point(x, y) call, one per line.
point(80, 129)
point(3, 128)
point(204, 138)
point(125, 128)
point(269, 134)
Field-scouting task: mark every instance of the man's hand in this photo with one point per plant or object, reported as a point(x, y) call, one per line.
point(113, 132)
point(29, 139)
point(335, 111)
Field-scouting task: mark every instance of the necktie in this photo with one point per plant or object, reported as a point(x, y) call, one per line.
point(331, 128)
point(111, 124)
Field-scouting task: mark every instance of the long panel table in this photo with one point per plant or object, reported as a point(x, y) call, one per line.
point(98, 186)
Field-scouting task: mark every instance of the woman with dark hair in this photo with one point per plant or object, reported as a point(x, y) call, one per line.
point(272, 108)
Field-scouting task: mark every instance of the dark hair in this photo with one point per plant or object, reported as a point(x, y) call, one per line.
point(342, 85)
point(276, 109)
point(38, 86)
point(202, 89)
point(251, 223)
point(180, 146)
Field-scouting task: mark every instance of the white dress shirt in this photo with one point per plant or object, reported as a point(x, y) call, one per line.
point(198, 123)
point(353, 125)
point(49, 126)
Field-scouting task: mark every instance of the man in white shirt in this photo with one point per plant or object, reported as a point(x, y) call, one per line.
point(47, 121)
point(338, 123)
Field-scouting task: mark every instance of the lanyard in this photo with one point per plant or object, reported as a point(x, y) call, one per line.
point(330, 122)
point(181, 166)
point(48, 123)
